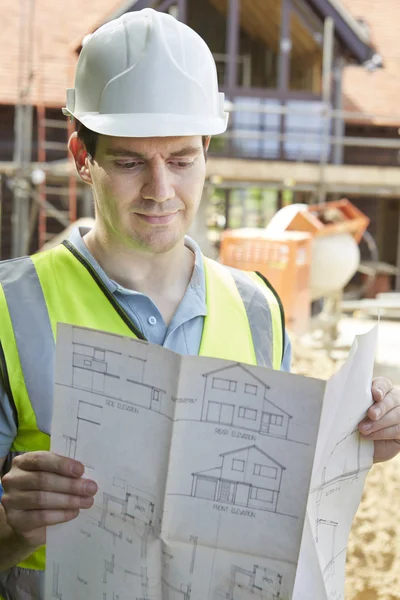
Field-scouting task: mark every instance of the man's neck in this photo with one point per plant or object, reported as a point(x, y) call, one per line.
point(163, 277)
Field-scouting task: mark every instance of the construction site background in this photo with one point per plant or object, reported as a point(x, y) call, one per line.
point(275, 154)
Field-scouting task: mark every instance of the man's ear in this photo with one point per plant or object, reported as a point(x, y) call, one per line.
point(207, 142)
point(81, 157)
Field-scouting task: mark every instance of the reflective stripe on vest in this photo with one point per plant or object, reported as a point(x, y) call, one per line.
point(243, 324)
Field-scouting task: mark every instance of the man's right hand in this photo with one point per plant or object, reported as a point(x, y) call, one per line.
point(44, 489)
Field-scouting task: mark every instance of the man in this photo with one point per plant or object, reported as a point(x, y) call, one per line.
point(146, 99)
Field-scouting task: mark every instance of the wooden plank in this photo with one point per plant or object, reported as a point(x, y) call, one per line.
point(383, 180)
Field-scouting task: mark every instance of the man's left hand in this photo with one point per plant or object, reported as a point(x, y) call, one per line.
point(382, 423)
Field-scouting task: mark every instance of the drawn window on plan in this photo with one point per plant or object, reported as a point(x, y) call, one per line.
point(248, 486)
point(88, 418)
point(234, 396)
point(96, 370)
point(261, 583)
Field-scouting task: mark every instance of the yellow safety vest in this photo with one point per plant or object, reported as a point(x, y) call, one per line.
point(61, 285)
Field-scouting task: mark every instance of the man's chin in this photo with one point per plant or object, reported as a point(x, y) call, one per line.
point(157, 242)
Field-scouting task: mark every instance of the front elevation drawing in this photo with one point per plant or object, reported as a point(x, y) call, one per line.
point(247, 477)
point(231, 399)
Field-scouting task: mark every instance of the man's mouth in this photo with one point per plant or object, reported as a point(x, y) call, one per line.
point(157, 219)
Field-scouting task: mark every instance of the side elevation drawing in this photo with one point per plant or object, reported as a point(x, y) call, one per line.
point(88, 418)
point(246, 477)
point(234, 396)
point(95, 370)
point(344, 464)
point(262, 583)
point(345, 460)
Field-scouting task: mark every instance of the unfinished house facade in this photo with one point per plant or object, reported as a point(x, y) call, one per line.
point(247, 477)
point(288, 69)
point(234, 396)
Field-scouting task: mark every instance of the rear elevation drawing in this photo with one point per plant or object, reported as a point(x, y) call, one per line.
point(262, 583)
point(247, 477)
point(234, 396)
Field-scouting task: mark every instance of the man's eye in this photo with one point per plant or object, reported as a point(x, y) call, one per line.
point(184, 164)
point(127, 165)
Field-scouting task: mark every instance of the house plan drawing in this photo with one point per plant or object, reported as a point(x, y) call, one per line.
point(229, 400)
point(262, 583)
point(208, 474)
point(246, 477)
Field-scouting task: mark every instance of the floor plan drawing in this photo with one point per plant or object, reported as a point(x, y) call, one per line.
point(169, 592)
point(262, 583)
point(135, 506)
point(247, 477)
point(234, 396)
point(203, 476)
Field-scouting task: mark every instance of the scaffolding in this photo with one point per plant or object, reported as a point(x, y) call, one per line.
point(46, 191)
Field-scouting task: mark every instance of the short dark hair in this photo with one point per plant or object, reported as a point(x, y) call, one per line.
point(90, 139)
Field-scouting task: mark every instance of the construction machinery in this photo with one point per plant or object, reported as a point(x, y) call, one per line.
point(309, 253)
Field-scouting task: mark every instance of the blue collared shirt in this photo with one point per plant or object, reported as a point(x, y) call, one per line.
point(183, 334)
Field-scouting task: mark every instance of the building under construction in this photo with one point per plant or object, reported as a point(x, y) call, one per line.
point(312, 86)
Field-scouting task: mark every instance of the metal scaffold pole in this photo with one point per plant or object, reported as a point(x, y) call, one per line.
point(326, 100)
point(23, 133)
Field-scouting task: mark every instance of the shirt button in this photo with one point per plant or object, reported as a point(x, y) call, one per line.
point(152, 320)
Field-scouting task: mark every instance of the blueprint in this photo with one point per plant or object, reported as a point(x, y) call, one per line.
point(342, 461)
point(217, 480)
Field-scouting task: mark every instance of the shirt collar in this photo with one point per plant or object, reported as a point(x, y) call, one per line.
point(197, 282)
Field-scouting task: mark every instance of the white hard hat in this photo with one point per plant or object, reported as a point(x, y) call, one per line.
point(146, 74)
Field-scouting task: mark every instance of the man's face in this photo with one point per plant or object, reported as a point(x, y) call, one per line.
point(147, 190)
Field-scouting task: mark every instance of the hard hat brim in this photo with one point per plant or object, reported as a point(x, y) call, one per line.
point(152, 125)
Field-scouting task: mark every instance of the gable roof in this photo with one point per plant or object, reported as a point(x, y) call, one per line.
point(57, 33)
point(347, 29)
point(234, 366)
point(255, 448)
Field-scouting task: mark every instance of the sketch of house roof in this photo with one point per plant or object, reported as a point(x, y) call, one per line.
point(146, 385)
point(265, 385)
point(251, 448)
point(278, 408)
point(234, 366)
point(215, 472)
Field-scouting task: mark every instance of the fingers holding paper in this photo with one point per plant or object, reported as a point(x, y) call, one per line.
point(382, 423)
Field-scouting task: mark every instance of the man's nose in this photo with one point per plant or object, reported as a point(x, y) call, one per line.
point(158, 186)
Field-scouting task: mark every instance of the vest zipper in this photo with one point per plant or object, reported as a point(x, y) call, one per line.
point(124, 316)
point(6, 384)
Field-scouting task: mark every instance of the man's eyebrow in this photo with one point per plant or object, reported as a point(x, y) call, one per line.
point(117, 152)
point(124, 152)
point(187, 150)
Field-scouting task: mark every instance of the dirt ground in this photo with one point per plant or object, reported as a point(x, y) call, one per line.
point(373, 560)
